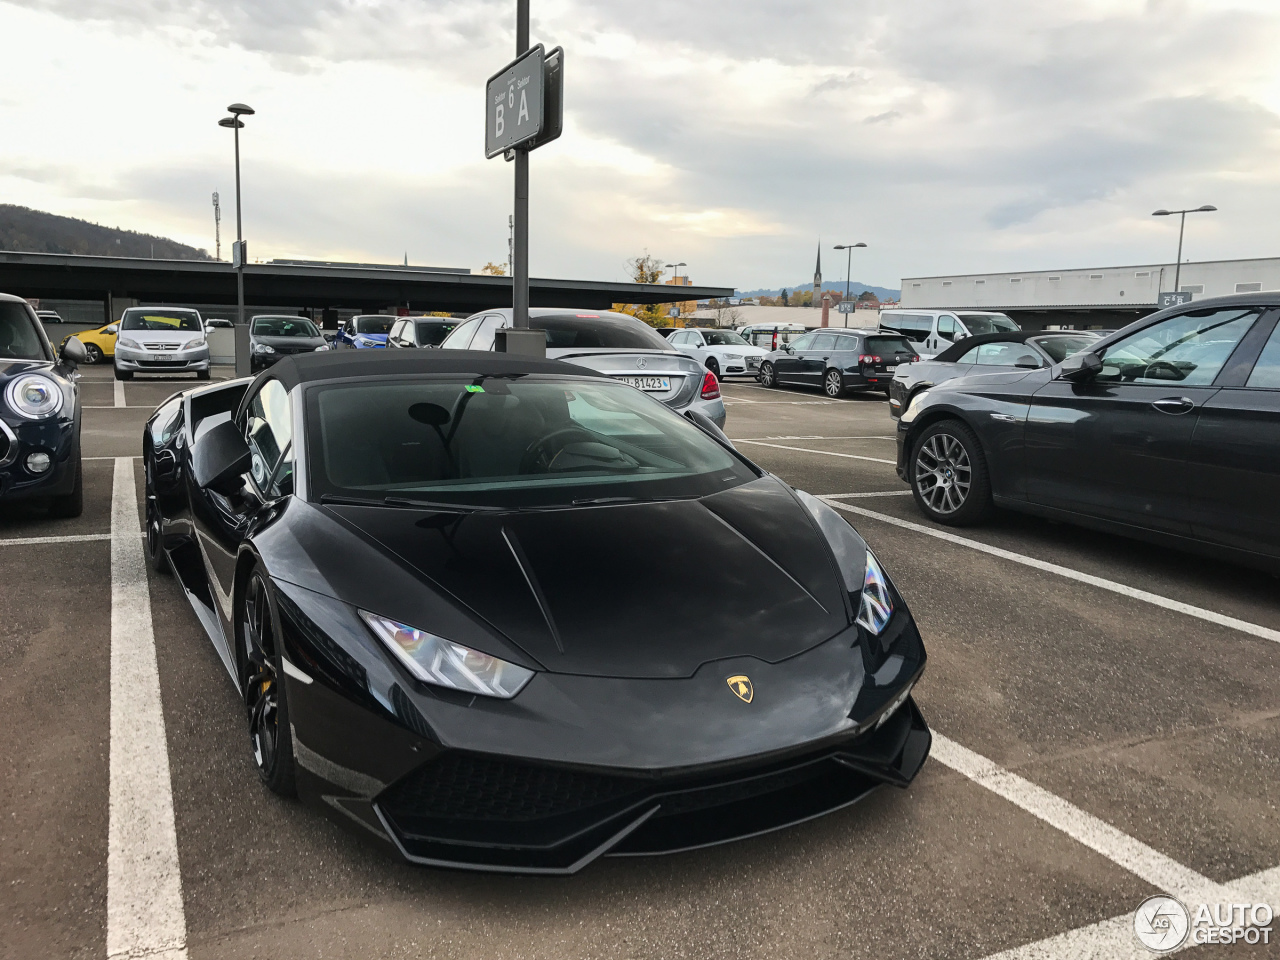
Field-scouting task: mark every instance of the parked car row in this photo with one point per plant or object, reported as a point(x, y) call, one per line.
point(838, 361)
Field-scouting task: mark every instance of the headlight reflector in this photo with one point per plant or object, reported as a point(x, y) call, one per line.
point(34, 396)
point(263, 348)
point(128, 342)
point(436, 660)
point(914, 406)
point(876, 608)
point(192, 344)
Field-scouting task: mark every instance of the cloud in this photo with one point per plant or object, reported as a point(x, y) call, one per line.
point(948, 134)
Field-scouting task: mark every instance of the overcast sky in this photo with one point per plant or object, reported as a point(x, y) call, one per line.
point(949, 135)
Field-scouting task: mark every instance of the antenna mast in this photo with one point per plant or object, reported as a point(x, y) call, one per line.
point(217, 226)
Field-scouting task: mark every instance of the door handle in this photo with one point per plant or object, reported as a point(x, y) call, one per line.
point(1174, 405)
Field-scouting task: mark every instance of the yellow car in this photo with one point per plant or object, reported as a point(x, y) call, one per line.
point(99, 344)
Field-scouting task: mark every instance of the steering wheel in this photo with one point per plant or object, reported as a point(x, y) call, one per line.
point(539, 454)
point(1163, 370)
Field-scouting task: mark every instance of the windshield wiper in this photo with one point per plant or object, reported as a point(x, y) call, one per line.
point(597, 501)
point(407, 502)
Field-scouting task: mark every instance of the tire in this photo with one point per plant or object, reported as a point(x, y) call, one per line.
point(767, 377)
point(942, 457)
point(714, 366)
point(70, 504)
point(124, 374)
point(157, 559)
point(202, 374)
point(262, 685)
point(93, 353)
point(833, 384)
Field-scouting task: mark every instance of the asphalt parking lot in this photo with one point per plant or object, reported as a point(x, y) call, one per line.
point(1107, 721)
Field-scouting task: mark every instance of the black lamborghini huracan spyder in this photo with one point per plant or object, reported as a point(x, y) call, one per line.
point(508, 614)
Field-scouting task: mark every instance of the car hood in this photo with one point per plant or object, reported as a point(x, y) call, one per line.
point(166, 337)
point(380, 337)
point(291, 344)
point(648, 590)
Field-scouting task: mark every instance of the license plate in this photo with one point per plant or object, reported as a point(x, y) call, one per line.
point(648, 383)
point(890, 368)
point(162, 356)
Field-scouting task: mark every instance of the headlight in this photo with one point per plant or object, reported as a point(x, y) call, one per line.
point(436, 660)
point(34, 397)
point(876, 608)
point(128, 342)
point(192, 344)
point(323, 346)
point(914, 406)
point(263, 348)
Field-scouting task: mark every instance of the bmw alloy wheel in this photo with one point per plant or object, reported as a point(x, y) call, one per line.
point(943, 473)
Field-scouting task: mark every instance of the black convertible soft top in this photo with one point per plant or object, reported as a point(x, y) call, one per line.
point(336, 364)
point(958, 350)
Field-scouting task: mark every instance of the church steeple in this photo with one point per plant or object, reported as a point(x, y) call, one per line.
point(817, 276)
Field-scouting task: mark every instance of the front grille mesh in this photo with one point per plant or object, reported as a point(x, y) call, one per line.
point(463, 787)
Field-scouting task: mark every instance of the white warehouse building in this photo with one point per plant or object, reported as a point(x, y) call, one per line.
point(1099, 297)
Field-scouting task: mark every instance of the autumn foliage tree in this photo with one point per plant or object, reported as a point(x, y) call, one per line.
point(645, 269)
point(494, 269)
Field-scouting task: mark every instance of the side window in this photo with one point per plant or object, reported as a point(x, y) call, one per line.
point(484, 334)
point(1003, 354)
point(823, 342)
point(1189, 349)
point(970, 357)
point(397, 330)
point(946, 326)
point(802, 343)
point(846, 343)
point(460, 339)
point(1266, 372)
point(678, 338)
point(168, 419)
point(269, 431)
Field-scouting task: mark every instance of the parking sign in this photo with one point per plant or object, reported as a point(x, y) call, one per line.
point(513, 103)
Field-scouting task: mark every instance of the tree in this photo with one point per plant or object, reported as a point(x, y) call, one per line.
point(645, 269)
point(494, 269)
point(783, 297)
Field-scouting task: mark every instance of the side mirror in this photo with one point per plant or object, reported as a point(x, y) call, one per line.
point(73, 352)
point(1080, 367)
point(1027, 362)
point(113, 329)
point(219, 457)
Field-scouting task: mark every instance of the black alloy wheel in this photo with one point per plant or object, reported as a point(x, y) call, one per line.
point(767, 376)
point(949, 474)
point(93, 353)
point(156, 556)
point(714, 366)
point(264, 693)
point(833, 384)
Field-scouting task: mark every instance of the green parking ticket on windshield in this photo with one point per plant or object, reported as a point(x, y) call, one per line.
point(474, 388)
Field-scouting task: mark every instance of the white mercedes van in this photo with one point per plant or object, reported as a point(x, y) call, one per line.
point(932, 331)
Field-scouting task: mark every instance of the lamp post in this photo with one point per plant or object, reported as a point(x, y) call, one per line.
point(1182, 225)
point(848, 265)
point(676, 267)
point(238, 256)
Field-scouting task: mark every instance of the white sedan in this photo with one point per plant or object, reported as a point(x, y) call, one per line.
point(722, 352)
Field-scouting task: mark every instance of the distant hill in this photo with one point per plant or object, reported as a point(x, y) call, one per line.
point(855, 288)
point(34, 231)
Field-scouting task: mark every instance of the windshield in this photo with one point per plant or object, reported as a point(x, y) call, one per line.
point(723, 338)
point(18, 337)
point(284, 327)
point(1059, 348)
point(157, 318)
point(432, 332)
point(508, 442)
point(374, 324)
point(569, 331)
point(980, 323)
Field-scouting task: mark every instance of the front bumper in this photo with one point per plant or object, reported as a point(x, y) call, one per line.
point(133, 360)
point(19, 440)
point(904, 448)
point(579, 767)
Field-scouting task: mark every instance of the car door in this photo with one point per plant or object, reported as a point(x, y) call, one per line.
point(946, 327)
point(399, 334)
point(1235, 449)
point(786, 364)
point(815, 360)
point(1117, 446)
point(486, 332)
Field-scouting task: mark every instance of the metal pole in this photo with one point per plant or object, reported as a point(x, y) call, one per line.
point(520, 238)
point(1177, 273)
point(848, 267)
point(239, 234)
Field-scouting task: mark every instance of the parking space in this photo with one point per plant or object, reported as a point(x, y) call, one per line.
point(1094, 746)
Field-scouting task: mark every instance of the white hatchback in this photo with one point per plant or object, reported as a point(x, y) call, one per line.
point(723, 352)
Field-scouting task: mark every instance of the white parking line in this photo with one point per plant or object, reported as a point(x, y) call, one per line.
point(827, 453)
point(758, 439)
point(145, 914)
point(1133, 855)
point(1244, 626)
point(119, 393)
point(874, 493)
point(68, 538)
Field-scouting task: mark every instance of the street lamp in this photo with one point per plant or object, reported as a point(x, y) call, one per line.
point(676, 267)
point(848, 265)
point(1177, 270)
point(238, 257)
